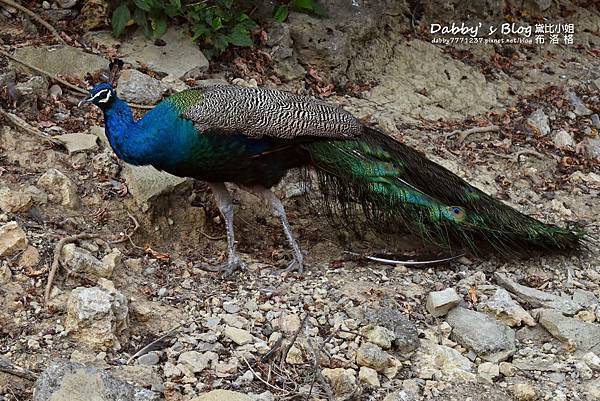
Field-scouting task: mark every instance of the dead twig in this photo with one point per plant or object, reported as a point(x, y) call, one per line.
point(528, 152)
point(317, 375)
point(7, 366)
point(265, 358)
point(263, 380)
point(56, 262)
point(62, 81)
point(154, 345)
point(127, 236)
point(19, 123)
point(463, 134)
point(35, 17)
point(294, 337)
point(210, 237)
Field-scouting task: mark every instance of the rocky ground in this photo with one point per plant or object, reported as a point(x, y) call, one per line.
point(130, 317)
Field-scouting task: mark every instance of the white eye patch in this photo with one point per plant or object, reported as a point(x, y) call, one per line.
point(103, 96)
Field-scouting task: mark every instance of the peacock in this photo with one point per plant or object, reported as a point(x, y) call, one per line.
point(252, 137)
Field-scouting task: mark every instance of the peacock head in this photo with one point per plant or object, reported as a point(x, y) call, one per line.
point(102, 95)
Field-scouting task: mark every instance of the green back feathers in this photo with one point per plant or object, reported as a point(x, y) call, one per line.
point(185, 99)
point(397, 189)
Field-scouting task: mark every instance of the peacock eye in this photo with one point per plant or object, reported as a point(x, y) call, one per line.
point(458, 213)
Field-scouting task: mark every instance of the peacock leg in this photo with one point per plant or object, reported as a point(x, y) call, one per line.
point(279, 211)
point(225, 205)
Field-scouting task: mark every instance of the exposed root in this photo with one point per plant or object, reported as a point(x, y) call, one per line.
point(35, 17)
point(127, 236)
point(21, 124)
point(62, 81)
point(7, 366)
point(56, 260)
point(463, 134)
point(154, 345)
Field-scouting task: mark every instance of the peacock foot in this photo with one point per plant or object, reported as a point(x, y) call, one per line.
point(227, 268)
point(296, 265)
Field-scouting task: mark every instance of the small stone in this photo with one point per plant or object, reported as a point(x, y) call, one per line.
point(538, 121)
point(14, 201)
point(433, 360)
point(342, 382)
point(507, 369)
point(82, 261)
point(55, 91)
point(368, 376)
point(372, 356)
point(60, 187)
point(231, 307)
point(66, 3)
point(592, 360)
point(78, 142)
point(379, 336)
point(505, 309)
point(29, 258)
point(170, 370)
point(112, 260)
point(592, 389)
point(596, 121)
point(488, 371)
point(149, 359)
point(440, 302)
point(12, 239)
point(583, 370)
point(563, 139)
point(238, 336)
point(294, 356)
point(196, 361)
point(287, 323)
point(524, 392)
point(579, 108)
point(5, 274)
point(586, 316)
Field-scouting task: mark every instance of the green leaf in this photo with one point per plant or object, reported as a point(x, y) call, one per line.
point(176, 4)
point(225, 3)
point(305, 5)
point(220, 42)
point(159, 26)
point(281, 13)
point(240, 36)
point(120, 18)
point(200, 31)
point(216, 23)
point(145, 5)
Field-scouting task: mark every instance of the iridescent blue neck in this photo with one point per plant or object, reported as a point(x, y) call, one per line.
point(119, 124)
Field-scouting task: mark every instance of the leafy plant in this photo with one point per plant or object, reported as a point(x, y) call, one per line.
point(282, 11)
point(215, 24)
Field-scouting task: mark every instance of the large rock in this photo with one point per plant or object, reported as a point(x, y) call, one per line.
point(490, 339)
point(586, 336)
point(97, 316)
point(137, 87)
point(434, 360)
point(69, 381)
point(505, 309)
point(12, 239)
point(82, 261)
point(179, 57)
point(78, 142)
point(537, 298)
point(342, 382)
point(146, 183)
point(223, 395)
point(60, 187)
point(14, 201)
point(406, 336)
point(64, 60)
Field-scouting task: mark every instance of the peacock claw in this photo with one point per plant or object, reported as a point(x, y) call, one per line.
point(294, 266)
point(227, 268)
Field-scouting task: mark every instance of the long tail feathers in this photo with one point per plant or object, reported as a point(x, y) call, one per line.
point(397, 188)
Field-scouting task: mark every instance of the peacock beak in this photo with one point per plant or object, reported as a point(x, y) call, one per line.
point(87, 99)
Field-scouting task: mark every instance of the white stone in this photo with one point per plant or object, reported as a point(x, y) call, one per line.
point(368, 376)
point(440, 302)
point(12, 239)
point(238, 336)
